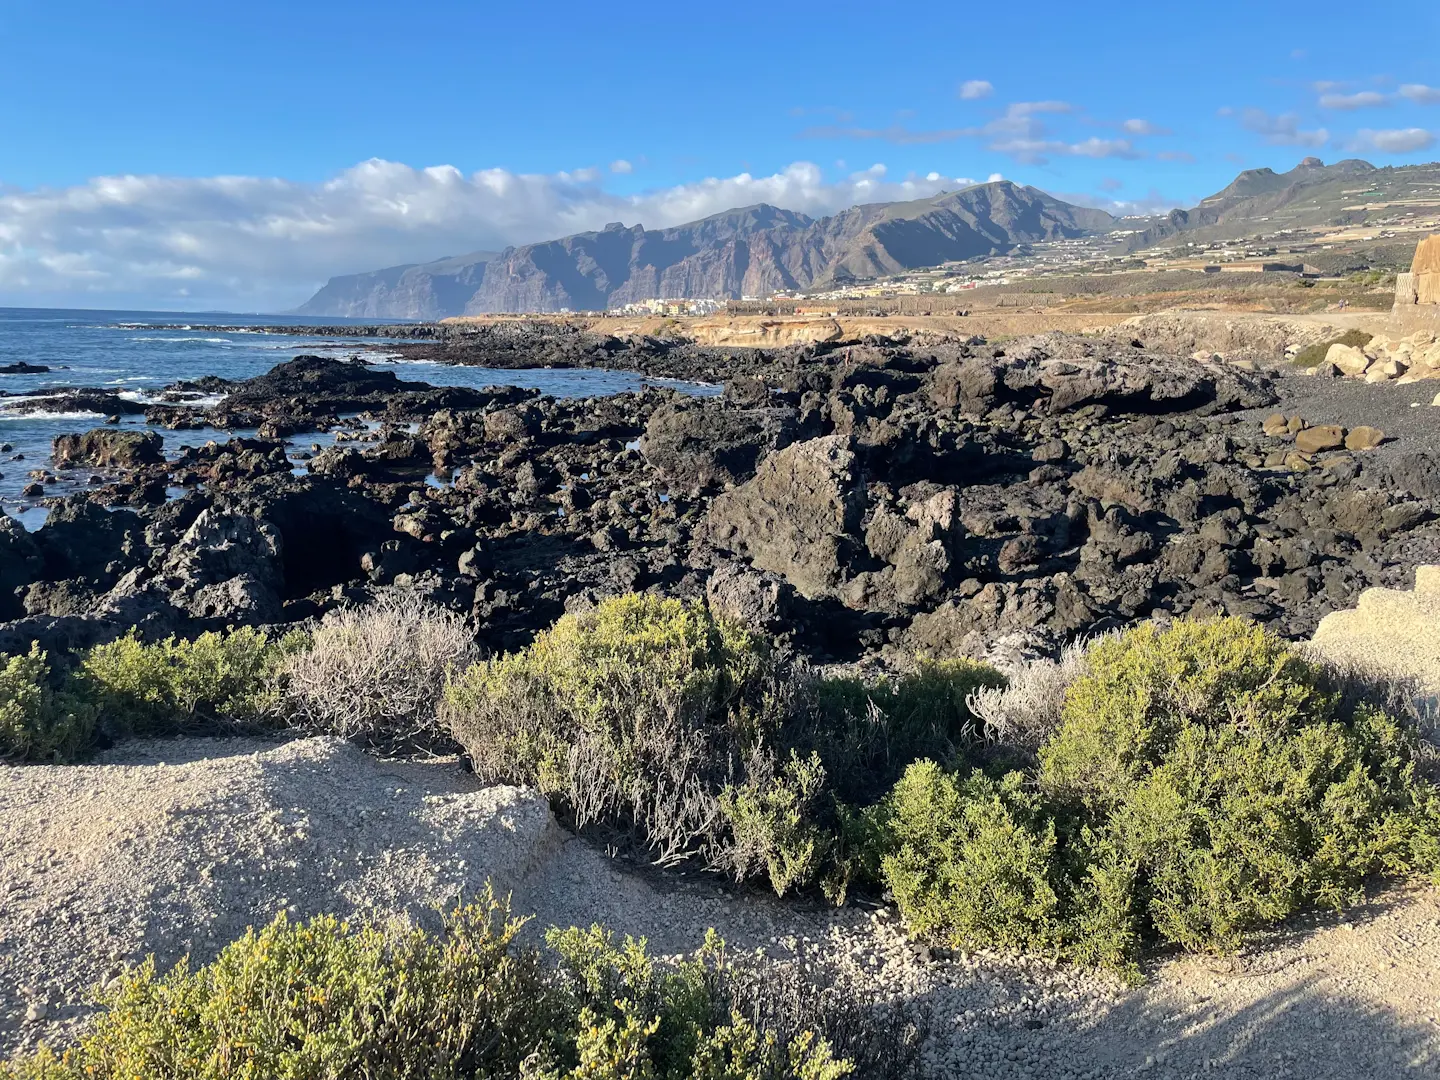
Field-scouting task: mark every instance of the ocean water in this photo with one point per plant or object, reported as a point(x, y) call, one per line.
point(139, 353)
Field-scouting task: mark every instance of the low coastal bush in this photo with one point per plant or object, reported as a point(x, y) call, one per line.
point(376, 674)
point(323, 999)
point(867, 731)
point(214, 682)
point(632, 716)
point(36, 722)
point(1204, 781)
point(676, 731)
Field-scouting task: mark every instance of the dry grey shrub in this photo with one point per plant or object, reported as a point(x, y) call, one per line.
point(1024, 712)
point(376, 673)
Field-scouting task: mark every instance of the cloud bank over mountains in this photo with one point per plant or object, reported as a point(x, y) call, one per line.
point(264, 244)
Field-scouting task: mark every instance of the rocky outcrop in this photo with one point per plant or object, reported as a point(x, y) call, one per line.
point(108, 448)
point(1385, 359)
point(860, 498)
point(227, 567)
point(694, 447)
point(799, 517)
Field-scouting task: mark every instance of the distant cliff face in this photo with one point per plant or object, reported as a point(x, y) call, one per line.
point(414, 291)
point(751, 251)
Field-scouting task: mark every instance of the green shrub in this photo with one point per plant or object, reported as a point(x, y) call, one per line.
point(974, 861)
point(321, 1000)
point(1142, 689)
point(633, 716)
point(643, 1019)
point(1204, 782)
point(869, 730)
point(1315, 354)
point(774, 819)
point(36, 723)
point(175, 686)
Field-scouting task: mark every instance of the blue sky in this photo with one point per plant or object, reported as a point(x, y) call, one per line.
point(238, 154)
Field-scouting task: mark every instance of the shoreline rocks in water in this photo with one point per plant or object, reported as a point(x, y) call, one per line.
point(22, 368)
point(866, 500)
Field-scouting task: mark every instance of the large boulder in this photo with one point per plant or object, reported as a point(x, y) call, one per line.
point(109, 448)
point(696, 447)
point(1390, 632)
point(20, 564)
point(798, 517)
point(227, 566)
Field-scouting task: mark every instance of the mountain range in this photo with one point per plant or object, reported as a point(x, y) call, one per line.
point(754, 250)
point(1310, 194)
point(757, 250)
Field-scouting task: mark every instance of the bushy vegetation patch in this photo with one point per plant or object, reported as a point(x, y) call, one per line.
point(322, 999)
point(212, 682)
point(1314, 354)
point(868, 730)
point(36, 722)
point(215, 683)
point(662, 724)
point(1204, 781)
point(631, 716)
point(376, 674)
point(1024, 712)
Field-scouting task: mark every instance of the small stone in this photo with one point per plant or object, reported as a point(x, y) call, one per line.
point(1276, 425)
point(1364, 438)
point(36, 1011)
point(1052, 450)
point(1295, 424)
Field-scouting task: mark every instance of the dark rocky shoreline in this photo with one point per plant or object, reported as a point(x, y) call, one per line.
point(867, 501)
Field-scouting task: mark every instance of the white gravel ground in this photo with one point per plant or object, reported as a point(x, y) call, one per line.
point(174, 847)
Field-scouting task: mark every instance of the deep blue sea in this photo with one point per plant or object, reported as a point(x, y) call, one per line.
point(140, 352)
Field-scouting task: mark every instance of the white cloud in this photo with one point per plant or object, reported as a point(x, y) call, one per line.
point(1394, 141)
point(263, 243)
point(995, 178)
point(1039, 151)
point(1366, 99)
point(621, 167)
point(1282, 130)
point(1030, 108)
point(1421, 94)
point(1151, 203)
point(975, 89)
point(1143, 127)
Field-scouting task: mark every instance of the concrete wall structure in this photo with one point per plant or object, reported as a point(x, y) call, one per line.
point(1417, 293)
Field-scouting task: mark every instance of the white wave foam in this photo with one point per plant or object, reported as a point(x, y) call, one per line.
point(201, 340)
point(50, 414)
